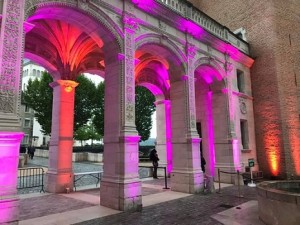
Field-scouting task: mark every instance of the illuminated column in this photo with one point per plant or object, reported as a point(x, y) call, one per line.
point(9, 158)
point(60, 173)
point(227, 150)
point(120, 185)
point(11, 49)
point(187, 175)
point(164, 134)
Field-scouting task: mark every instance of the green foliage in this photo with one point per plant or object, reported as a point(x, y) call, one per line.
point(38, 96)
point(98, 119)
point(89, 105)
point(86, 132)
point(144, 108)
point(85, 101)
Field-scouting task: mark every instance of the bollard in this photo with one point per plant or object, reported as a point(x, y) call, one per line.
point(219, 180)
point(166, 184)
point(239, 187)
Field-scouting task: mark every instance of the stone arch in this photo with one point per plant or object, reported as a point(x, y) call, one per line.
point(95, 24)
point(214, 68)
point(178, 58)
point(100, 16)
point(44, 63)
point(211, 106)
point(211, 62)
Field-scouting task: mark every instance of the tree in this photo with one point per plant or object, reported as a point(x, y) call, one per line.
point(144, 108)
point(82, 134)
point(87, 132)
point(39, 96)
point(98, 119)
point(85, 101)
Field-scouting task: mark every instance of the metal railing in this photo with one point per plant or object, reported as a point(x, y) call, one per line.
point(31, 177)
point(95, 174)
point(232, 173)
point(165, 173)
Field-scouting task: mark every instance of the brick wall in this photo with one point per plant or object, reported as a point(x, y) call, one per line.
point(273, 31)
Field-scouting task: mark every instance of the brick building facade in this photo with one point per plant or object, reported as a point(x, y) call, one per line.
point(273, 32)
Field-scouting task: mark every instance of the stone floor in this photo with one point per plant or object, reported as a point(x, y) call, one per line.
point(160, 206)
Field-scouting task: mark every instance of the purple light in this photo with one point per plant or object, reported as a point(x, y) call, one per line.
point(210, 132)
point(236, 154)
point(168, 137)
point(9, 158)
point(190, 27)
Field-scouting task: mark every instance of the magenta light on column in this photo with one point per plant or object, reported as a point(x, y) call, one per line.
point(210, 132)
point(236, 154)
point(169, 136)
point(9, 158)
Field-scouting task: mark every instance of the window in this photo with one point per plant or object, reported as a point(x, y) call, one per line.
point(25, 139)
point(240, 81)
point(34, 72)
point(27, 123)
point(27, 109)
point(244, 134)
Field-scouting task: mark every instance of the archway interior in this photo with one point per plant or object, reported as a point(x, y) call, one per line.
point(69, 50)
point(208, 87)
point(156, 70)
point(67, 42)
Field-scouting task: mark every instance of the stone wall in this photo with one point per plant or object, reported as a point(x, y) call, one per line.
point(76, 156)
point(272, 31)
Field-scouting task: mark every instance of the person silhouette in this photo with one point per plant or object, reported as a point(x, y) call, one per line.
point(154, 158)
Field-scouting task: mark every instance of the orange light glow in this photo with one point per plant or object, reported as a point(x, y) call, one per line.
point(273, 158)
point(271, 142)
point(295, 150)
point(69, 85)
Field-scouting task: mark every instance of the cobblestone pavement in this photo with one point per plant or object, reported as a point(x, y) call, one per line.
point(192, 210)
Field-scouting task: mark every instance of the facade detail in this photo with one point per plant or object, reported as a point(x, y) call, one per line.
point(274, 77)
point(187, 60)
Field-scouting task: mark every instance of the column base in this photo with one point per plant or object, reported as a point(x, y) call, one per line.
point(9, 211)
point(121, 196)
point(188, 182)
point(209, 184)
point(59, 182)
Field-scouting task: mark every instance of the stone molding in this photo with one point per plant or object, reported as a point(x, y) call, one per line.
point(11, 51)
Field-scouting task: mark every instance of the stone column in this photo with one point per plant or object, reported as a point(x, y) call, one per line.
point(227, 150)
point(164, 134)
point(9, 158)
point(60, 173)
point(11, 53)
point(187, 175)
point(120, 185)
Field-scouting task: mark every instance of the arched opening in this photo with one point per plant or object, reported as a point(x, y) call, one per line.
point(211, 109)
point(68, 42)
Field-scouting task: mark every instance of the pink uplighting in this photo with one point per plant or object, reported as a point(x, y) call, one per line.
point(9, 158)
point(211, 132)
point(169, 136)
point(236, 154)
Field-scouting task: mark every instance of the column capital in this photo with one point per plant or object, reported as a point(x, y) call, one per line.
point(68, 85)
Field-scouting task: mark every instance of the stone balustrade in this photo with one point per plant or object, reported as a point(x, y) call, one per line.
point(192, 13)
